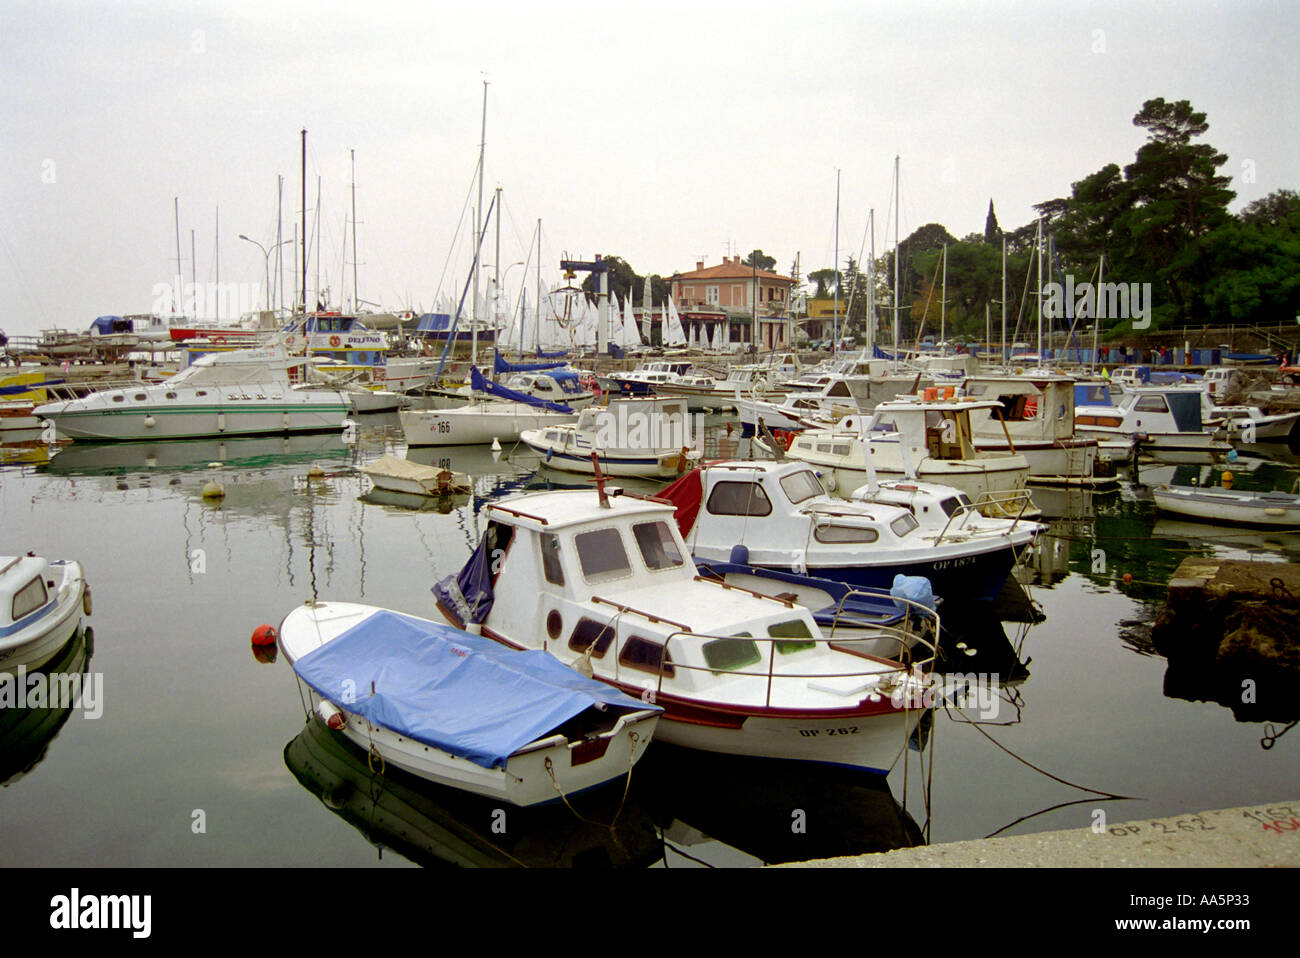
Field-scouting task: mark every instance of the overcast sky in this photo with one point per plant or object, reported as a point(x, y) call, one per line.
point(664, 132)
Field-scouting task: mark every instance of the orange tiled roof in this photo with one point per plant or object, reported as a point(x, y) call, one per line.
point(734, 270)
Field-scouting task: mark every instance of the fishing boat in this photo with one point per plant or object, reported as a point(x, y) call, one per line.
point(780, 516)
point(915, 438)
point(1231, 506)
point(41, 605)
point(1036, 421)
point(648, 437)
point(459, 709)
point(603, 581)
point(1250, 424)
point(1157, 418)
point(239, 393)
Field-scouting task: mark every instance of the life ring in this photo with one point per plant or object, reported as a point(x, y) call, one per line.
point(334, 341)
point(289, 342)
point(220, 340)
point(1031, 408)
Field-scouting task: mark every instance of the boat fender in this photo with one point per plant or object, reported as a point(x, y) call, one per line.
point(264, 635)
point(86, 603)
point(1274, 511)
point(331, 715)
point(1226, 479)
point(149, 421)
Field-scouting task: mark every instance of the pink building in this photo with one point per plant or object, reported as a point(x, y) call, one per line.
point(737, 289)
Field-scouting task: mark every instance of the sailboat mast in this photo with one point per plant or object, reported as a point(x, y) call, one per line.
point(1038, 248)
point(539, 290)
point(872, 319)
point(897, 211)
point(279, 237)
point(478, 235)
point(355, 307)
point(194, 278)
point(1004, 299)
point(317, 242)
point(836, 322)
point(943, 299)
point(180, 272)
point(303, 289)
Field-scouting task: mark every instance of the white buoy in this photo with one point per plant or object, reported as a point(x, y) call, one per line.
point(213, 490)
point(496, 444)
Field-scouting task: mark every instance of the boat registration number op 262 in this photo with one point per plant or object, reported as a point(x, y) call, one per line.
point(814, 732)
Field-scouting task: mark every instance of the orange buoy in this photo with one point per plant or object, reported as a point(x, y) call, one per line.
point(1128, 578)
point(264, 635)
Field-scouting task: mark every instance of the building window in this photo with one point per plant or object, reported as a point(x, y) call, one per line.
point(711, 295)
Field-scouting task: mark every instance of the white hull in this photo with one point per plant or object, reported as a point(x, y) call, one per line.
point(476, 423)
point(34, 644)
point(543, 771)
point(1235, 507)
point(216, 420)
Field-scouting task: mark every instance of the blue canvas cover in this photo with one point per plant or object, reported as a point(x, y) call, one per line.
point(479, 384)
point(468, 595)
point(501, 365)
point(461, 693)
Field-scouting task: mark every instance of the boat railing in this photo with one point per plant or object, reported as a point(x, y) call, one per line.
point(1012, 506)
point(909, 632)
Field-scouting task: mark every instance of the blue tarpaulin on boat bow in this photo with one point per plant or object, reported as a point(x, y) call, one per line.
point(461, 693)
point(479, 384)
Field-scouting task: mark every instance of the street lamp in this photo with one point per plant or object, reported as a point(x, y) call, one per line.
point(266, 266)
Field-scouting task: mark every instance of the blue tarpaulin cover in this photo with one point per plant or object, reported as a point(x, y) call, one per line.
point(501, 365)
point(461, 693)
point(479, 384)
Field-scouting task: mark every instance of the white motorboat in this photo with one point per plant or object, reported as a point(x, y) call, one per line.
point(1158, 418)
point(1231, 506)
point(929, 440)
point(1250, 424)
point(502, 415)
point(459, 709)
point(1036, 421)
point(605, 583)
point(239, 393)
point(391, 474)
point(779, 516)
point(41, 605)
point(646, 436)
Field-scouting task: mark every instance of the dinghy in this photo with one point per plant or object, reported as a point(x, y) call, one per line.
point(459, 709)
point(41, 605)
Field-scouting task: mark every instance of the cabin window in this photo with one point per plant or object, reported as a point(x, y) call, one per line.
point(140, 397)
point(656, 544)
point(739, 499)
point(499, 537)
point(118, 398)
point(646, 656)
point(841, 388)
point(601, 555)
point(1151, 404)
point(837, 533)
point(29, 598)
point(795, 635)
point(801, 485)
point(953, 504)
point(171, 395)
point(201, 392)
point(731, 655)
point(839, 450)
point(551, 567)
point(904, 524)
point(589, 632)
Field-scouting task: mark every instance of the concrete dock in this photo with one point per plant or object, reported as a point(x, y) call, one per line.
point(1253, 836)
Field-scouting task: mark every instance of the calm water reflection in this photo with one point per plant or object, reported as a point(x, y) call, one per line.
point(194, 724)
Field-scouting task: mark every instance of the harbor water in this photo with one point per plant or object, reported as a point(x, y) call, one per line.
point(197, 751)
